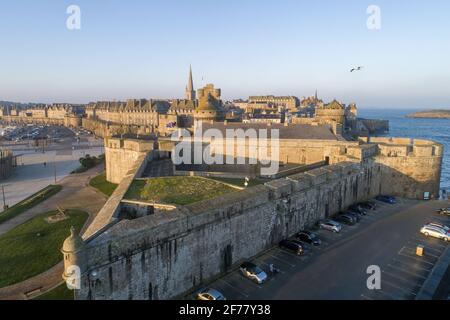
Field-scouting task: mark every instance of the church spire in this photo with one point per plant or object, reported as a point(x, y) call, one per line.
point(316, 95)
point(190, 92)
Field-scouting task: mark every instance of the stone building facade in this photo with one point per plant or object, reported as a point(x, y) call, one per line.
point(56, 114)
point(290, 103)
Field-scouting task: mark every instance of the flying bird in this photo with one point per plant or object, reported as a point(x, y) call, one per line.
point(356, 69)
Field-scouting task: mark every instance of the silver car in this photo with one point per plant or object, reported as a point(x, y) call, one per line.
point(330, 225)
point(431, 230)
point(253, 272)
point(210, 294)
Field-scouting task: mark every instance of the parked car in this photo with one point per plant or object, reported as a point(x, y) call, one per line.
point(444, 211)
point(368, 205)
point(253, 272)
point(439, 225)
point(210, 294)
point(386, 199)
point(309, 238)
point(292, 245)
point(436, 232)
point(358, 209)
point(354, 215)
point(346, 219)
point(330, 225)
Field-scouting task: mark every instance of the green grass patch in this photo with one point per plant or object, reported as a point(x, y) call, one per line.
point(29, 202)
point(176, 190)
point(34, 246)
point(59, 293)
point(240, 182)
point(99, 182)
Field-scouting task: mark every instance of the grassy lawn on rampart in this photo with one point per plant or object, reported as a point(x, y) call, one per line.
point(29, 202)
point(240, 182)
point(99, 182)
point(34, 246)
point(176, 190)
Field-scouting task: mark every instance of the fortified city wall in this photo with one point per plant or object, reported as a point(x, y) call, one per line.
point(168, 253)
point(410, 167)
point(122, 154)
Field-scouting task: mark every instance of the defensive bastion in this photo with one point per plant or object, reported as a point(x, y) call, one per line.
point(164, 253)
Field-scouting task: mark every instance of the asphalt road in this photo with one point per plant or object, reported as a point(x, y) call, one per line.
point(338, 269)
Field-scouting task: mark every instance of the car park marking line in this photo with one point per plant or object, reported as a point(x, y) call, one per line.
point(425, 258)
point(413, 265)
point(425, 254)
point(384, 294)
point(403, 290)
point(286, 262)
point(412, 257)
point(325, 237)
point(366, 297)
point(290, 254)
point(426, 247)
point(258, 285)
point(408, 272)
point(402, 279)
point(234, 288)
point(430, 242)
point(412, 252)
point(272, 277)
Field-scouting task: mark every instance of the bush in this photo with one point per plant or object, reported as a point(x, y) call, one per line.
point(87, 162)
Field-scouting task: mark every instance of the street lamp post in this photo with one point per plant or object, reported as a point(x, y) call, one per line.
point(4, 199)
point(54, 169)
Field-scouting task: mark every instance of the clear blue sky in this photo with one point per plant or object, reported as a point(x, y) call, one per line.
point(142, 48)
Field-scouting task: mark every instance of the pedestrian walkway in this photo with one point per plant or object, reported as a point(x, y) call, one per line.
point(75, 194)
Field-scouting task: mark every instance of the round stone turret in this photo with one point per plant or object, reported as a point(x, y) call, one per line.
point(209, 109)
point(73, 253)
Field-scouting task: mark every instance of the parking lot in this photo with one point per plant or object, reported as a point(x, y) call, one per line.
point(337, 269)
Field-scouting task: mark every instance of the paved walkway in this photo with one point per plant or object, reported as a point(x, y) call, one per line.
point(76, 194)
point(35, 286)
point(31, 175)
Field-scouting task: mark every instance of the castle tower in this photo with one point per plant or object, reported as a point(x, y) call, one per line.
point(73, 251)
point(190, 92)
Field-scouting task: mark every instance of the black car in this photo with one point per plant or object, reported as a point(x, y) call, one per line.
point(358, 215)
point(358, 209)
point(368, 205)
point(444, 211)
point(345, 219)
point(292, 245)
point(354, 215)
point(309, 238)
point(386, 199)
